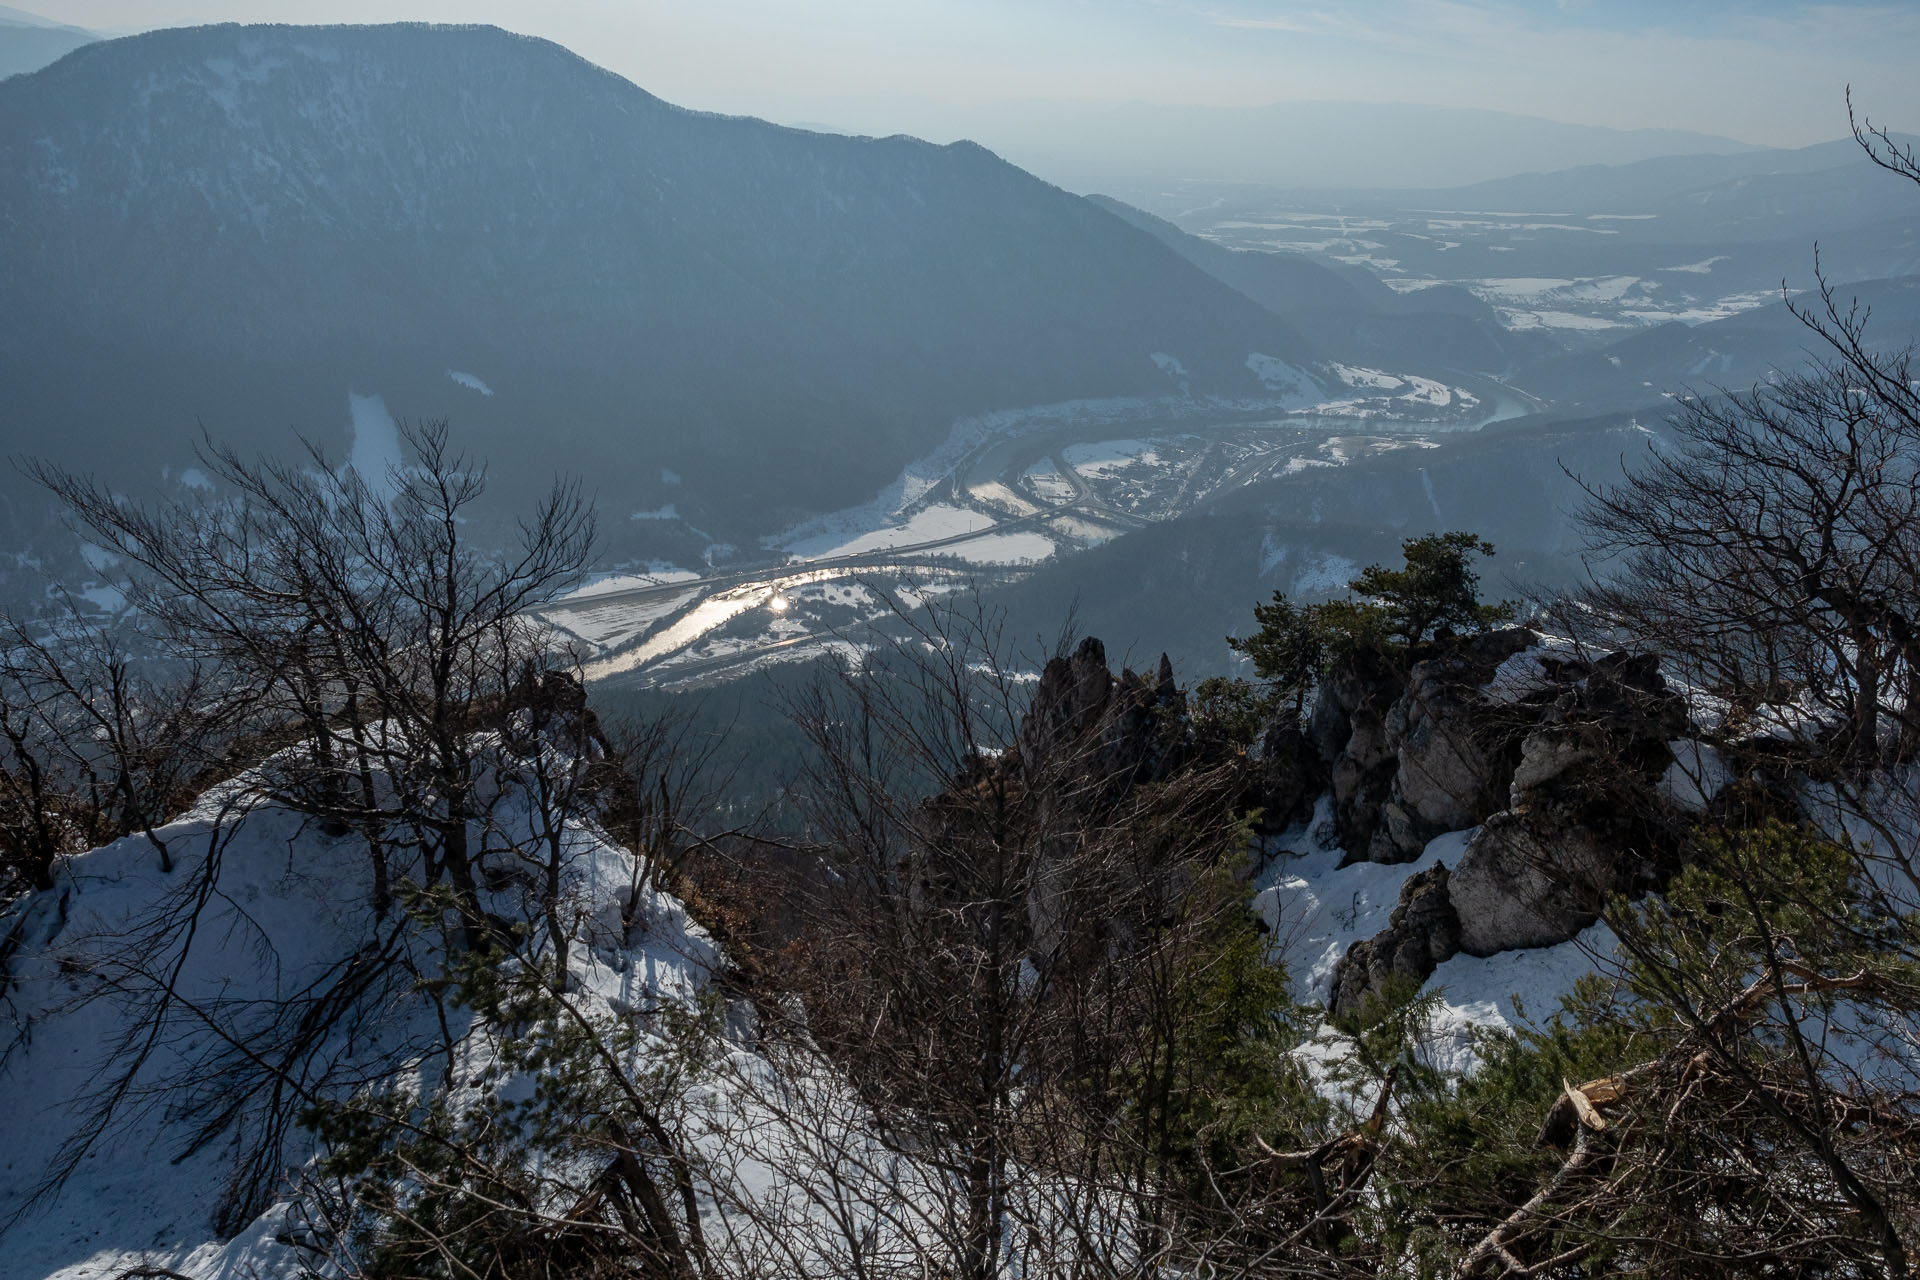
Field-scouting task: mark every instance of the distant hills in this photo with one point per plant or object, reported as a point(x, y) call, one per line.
point(1137, 150)
point(238, 226)
point(1719, 199)
point(1350, 312)
point(1734, 353)
point(29, 41)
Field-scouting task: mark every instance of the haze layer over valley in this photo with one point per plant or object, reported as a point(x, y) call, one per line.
point(856, 358)
point(1040, 650)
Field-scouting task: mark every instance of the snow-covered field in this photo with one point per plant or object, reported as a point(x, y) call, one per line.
point(1104, 457)
point(1048, 483)
point(618, 622)
point(928, 524)
point(1021, 547)
point(606, 584)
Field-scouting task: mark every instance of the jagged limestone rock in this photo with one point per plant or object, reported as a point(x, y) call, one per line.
point(1417, 753)
point(1546, 755)
point(1521, 886)
point(1446, 770)
point(1423, 931)
point(1563, 780)
point(1290, 777)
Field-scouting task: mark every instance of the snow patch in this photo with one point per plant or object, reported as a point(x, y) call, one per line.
point(277, 921)
point(1047, 482)
point(98, 558)
point(1427, 391)
point(1315, 908)
point(1171, 367)
point(1325, 572)
point(1279, 376)
point(375, 448)
point(1526, 672)
point(1361, 377)
point(929, 524)
point(1698, 774)
point(1505, 992)
point(1699, 268)
point(1107, 456)
point(1003, 548)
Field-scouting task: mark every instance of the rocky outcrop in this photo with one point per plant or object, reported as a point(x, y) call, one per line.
point(1584, 818)
point(1286, 779)
point(1449, 747)
point(1522, 885)
point(1414, 754)
point(1348, 728)
point(1561, 775)
point(1116, 730)
point(1422, 932)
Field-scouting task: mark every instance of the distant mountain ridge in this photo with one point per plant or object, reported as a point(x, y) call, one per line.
point(1350, 312)
point(29, 41)
point(1134, 149)
point(238, 225)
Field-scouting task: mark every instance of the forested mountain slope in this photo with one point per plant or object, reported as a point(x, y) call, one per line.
point(239, 225)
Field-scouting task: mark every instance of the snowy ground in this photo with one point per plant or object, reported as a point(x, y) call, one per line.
point(1104, 457)
point(1045, 480)
point(1317, 908)
point(1573, 284)
point(928, 524)
point(282, 912)
point(618, 622)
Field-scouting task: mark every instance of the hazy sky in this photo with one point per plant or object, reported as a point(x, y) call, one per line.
point(1766, 71)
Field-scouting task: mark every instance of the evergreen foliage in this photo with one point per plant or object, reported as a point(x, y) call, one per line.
point(1433, 597)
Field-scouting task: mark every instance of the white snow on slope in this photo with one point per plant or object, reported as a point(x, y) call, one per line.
point(1699, 268)
point(1698, 774)
point(763, 1121)
point(1526, 672)
point(1427, 391)
point(1288, 380)
point(1507, 991)
point(375, 449)
point(286, 909)
point(1324, 572)
point(1355, 376)
point(1172, 367)
point(1316, 909)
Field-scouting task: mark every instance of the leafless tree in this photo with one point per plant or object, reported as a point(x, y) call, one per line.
point(364, 616)
point(375, 652)
point(1768, 551)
